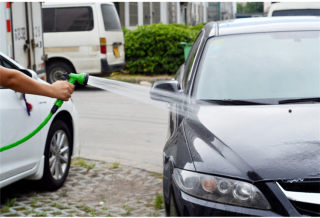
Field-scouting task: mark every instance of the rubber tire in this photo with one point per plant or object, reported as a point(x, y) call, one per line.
point(48, 182)
point(170, 208)
point(58, 66)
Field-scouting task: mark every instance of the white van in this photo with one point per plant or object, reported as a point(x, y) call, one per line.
point(82, 38)
point(294, 9)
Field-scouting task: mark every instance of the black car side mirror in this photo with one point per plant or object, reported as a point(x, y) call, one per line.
point(167, 91)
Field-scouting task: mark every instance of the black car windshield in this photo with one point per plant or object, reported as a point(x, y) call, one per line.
point(278, 65)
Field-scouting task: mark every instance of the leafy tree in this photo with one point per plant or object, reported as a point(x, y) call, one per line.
point(156, 49)
point(250, 7)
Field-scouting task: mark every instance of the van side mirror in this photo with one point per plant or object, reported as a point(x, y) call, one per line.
point(167, 91)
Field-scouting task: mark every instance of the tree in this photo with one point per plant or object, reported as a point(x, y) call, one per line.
point(250, 7)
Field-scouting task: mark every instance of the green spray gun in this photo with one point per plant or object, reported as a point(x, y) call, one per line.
point(82, 79)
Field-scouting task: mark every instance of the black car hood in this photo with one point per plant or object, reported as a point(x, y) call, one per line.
point(256, 142)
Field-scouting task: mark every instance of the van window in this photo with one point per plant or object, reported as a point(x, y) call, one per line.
point(297, 12)
point(67, 19)
point(110, 17)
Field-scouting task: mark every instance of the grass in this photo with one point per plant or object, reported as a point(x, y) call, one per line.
point(82, 163)
point(108, 214)
point(34, 202)
point(56, 213)
point(40, 214)
point(153, 214)
point(114, 165)
point(127, 209)
point(87, 209)
point(158, 202)
point(157, 175)
point(90, 210)
point(59, 206)
point(5, 210)
point(11, 202)
point(64, 193)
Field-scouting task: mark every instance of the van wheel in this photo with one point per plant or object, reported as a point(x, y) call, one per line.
point(57, 156)
point(56, 70)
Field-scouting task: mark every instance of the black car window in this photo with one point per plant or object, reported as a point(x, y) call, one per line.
point(257, 72)
point(67, 19)
point(190, 60)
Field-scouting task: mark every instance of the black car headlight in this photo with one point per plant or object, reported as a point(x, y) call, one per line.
point(219, 189)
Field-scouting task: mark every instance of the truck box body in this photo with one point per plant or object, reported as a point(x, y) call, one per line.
point(21, 34)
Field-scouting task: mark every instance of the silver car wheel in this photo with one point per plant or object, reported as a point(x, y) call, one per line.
point(59, 154)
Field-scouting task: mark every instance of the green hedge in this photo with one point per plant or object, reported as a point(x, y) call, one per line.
point(155, 49)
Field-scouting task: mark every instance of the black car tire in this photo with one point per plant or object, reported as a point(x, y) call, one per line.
point(170, 207)
point(48, 181)
point(56, 70)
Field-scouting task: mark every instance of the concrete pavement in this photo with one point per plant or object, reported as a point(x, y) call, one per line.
point(114, 128)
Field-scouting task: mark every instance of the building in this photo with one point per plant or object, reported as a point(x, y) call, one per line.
point(133, 14)
point(221, 10)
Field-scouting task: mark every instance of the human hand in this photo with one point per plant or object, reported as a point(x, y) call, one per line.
point(62, 90)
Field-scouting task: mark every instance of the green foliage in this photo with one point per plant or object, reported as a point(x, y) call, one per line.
point(158, 202)
point(250, 7)
point(155, 49)
point(11, 202)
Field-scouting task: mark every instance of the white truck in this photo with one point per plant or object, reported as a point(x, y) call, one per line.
point(21, 35)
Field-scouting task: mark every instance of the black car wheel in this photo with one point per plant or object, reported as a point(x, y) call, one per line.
point(57, 70)
point(170, 207)
point(57, 156)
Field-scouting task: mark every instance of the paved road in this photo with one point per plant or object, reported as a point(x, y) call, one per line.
point(99, 190)
point(118, 129)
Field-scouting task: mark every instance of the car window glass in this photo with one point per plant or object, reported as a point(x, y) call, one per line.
point(190, 60)
point(257, 71)
point(67, 19)
point(297, 12)
point(110, 17)
point(48, 18)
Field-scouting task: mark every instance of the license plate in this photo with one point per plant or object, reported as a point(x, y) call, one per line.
point(116, 52)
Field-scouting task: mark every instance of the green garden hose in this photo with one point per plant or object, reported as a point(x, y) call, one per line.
point(73, 78)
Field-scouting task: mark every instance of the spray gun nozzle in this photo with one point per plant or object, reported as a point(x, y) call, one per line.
point(86, 78)
point(81, 78)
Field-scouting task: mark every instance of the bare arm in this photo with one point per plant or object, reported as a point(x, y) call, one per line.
point(17, 81)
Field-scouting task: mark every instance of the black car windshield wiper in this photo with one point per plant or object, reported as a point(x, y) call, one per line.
point(235, 102)
point(298, 100)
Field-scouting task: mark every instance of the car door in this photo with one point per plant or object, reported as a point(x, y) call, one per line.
point(15, 123)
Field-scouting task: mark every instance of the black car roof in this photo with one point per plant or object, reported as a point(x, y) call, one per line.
point(265, 24)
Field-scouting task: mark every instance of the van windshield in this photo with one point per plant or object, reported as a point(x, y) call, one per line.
point(278, 65)
point(110, 17)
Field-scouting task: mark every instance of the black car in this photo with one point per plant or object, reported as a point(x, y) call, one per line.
point(244, 127)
